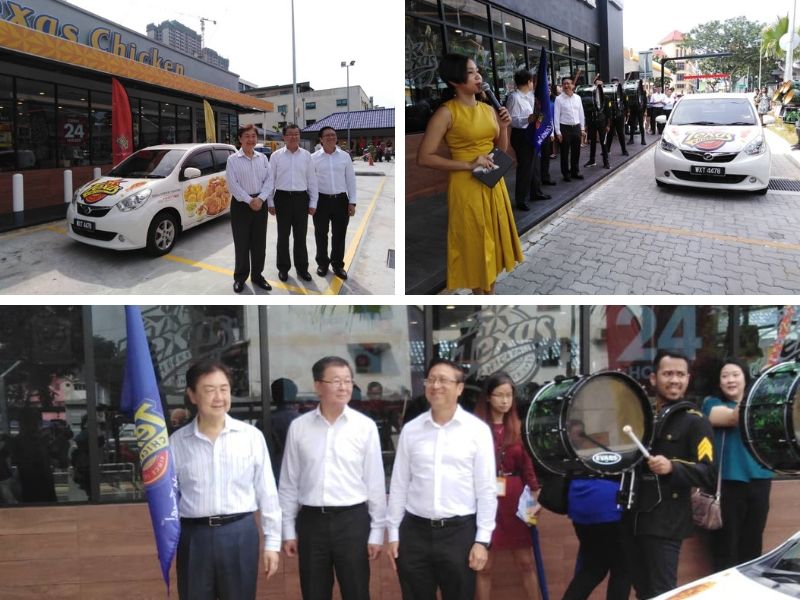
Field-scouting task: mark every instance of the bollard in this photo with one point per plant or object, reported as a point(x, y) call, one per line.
point(96, 173)
point(18, 200)
point(67, 186)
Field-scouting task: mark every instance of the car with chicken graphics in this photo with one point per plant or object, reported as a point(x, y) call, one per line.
point(152, 196)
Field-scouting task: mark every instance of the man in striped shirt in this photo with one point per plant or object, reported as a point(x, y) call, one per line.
point(224, 476)
point(250, 182)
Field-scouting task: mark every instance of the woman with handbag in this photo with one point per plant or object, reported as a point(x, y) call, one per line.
point(482, 238)
point(745, 484)
point(498, 408)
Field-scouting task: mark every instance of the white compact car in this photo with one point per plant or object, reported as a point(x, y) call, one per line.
point(151, 196)
point(715, 142)
point(776, 575)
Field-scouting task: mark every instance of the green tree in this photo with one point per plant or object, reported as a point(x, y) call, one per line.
point(739, 36)
point(770, 37)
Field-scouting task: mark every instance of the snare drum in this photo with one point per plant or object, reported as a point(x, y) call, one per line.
point(574, 426)
point(770, 419)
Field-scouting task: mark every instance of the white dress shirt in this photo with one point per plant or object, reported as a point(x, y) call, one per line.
point(335, 173)
point(520, 106)
point(293, 172)
point(248, 176)
point(333, 464)
point(443, 471)
point(231, 475)
point(568, 111)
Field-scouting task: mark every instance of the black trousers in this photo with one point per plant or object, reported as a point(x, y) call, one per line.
point(528, 182)
point(601, 552)
point(618, 127)
point(597, 132)
point(744, 515)
point(547, 150)
point(635, 121)
point(249, 239)
point(329, 543)
point(654, 112)
point(430, 558)
point(333, 212)
point(652, 564)
point(291, 212)
point(570, 149)
point(218, 562)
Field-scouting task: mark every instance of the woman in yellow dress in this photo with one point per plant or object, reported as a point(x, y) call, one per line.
point(482, 238)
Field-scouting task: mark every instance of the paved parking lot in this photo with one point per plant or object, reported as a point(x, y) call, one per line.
point(627, 236)
point(43, 260)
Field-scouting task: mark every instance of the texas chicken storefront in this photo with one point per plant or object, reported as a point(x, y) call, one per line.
point(57, 62)
point(81, 528)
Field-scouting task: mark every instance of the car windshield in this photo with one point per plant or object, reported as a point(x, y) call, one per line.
point(148, 164)
point(779, 570)
point(714, 111)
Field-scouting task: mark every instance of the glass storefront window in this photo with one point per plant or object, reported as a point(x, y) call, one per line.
point(233, 123)
point(184, 120)
point(508, 58)
point(768, 335)
point(42, 405)
point(423, 8)
point(168, 133)
point(150, 116)
point(135, 118)
point(591, 65)
point(466, 13)
point(560, 43)
point(101, 128)
point(507, 26)
point(36, 124)
point(578, 48)
point(536, 35)
point(200, 125)
point(423, 89)
point(7, 154)
point(474, 45)
point(563, 68)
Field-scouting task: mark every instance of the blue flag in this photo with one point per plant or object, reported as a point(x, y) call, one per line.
point(538, 135)
point(141, 399)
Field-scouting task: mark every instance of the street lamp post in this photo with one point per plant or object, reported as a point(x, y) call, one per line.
point(347, 66)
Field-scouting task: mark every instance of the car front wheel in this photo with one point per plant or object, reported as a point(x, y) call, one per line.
point(162, 234)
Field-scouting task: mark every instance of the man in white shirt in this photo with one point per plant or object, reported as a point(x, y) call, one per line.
point(250, 183)
point(294, 197)
point(443, 494)
point(224, 476)
point(570, 125)
point(336, 182)
point(332, 489)
point(520, 105)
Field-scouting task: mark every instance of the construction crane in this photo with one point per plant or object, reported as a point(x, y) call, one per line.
point(203, 22)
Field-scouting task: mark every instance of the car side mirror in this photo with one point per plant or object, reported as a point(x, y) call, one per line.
point(661, 119)
point(769, 119)
point(191, 173)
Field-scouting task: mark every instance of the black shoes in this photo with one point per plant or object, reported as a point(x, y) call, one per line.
point(283, 275)
point(625, 153)
point(548, 182)
point(262, 283)
point(542, 196)
point(238, 286)
point(567, 178)
point(591, 163)
point(340, 272)
point(304, 275)
point(322, 272)
point(523, 206)
point(577, 176)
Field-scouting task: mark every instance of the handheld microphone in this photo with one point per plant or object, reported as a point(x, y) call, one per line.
point(487, 89)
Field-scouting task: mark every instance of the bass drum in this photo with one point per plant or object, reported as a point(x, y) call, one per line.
point(574, 426)
point(770, 420)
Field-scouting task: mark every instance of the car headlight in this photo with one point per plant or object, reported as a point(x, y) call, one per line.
point(755, 147)
point(666, 144)
point(134, 201)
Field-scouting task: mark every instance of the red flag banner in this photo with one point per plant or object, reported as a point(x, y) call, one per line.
point(121, 128)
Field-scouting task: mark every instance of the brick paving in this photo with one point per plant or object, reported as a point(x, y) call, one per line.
point(627, 236)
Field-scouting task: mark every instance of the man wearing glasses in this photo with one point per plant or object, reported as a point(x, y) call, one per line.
point(294, 197)
point(443, 495)
point(332, 490)
point(336, 181)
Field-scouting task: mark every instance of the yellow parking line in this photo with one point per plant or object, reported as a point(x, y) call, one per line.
point(35, 229)
point(720, 237)
point(336, 283)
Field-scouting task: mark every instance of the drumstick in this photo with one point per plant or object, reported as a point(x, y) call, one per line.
point(628, 430)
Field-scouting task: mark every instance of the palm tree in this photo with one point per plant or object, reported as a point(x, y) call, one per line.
point(770, 37)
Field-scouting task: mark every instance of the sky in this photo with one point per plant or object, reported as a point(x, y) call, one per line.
point(257, 38)
point(647, 22)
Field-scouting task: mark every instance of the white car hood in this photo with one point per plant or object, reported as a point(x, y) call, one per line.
point(695, 138)
point(107, 191)
point(725, 585)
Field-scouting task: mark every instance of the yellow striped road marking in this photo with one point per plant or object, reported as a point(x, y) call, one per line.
point(720, 237)
point(336, 283)
point(35, 229)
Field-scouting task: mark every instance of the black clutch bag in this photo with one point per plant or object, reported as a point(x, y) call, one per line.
point(502, 163)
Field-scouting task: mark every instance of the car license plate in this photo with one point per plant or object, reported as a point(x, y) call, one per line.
point(86, 225)
point(708, 170)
